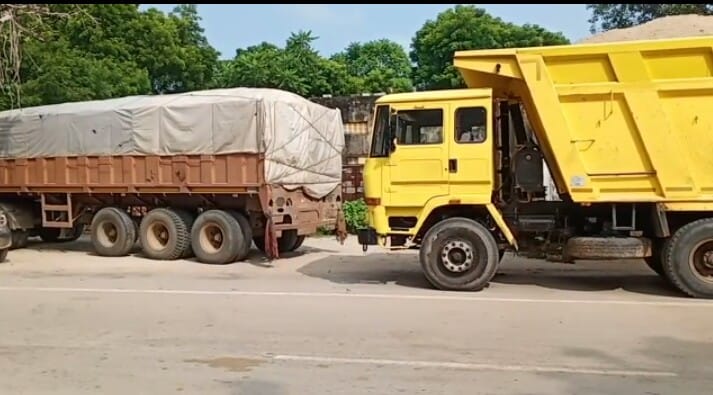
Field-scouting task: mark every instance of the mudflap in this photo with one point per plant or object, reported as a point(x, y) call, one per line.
point(341, 227)
point(271, 249)
point(366, 237)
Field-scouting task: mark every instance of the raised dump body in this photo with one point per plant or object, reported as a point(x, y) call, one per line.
point(205, 173)
point(617, 122)
point(623, 128)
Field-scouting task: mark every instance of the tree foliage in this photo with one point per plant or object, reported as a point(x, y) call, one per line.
point(464, 28)
point(618, 16)
point(376, 66)
point(61, 53)
point(110, 50)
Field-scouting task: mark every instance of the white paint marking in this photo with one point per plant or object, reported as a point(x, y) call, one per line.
point(474, 366)
point(448, 297)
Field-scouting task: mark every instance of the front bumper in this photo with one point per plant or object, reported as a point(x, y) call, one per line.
point(5, 237)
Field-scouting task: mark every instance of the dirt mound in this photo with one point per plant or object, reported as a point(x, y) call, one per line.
point(667, 27)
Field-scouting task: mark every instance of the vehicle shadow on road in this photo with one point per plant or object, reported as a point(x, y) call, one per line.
point(585, 277)
point(256, 257)
point(399, 269)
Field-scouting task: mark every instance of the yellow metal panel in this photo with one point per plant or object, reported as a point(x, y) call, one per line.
point(627, 121)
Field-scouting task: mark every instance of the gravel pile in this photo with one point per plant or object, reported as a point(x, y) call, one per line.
point(667, 27)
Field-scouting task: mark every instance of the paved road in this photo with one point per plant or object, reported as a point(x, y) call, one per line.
point(329, 320)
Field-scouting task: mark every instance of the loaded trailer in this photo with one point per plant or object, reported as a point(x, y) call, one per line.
point(203, 173)
point(625, 130)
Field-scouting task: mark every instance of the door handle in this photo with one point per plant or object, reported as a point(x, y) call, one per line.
point(453, 165)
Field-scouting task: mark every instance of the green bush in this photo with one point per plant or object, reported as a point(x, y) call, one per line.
point(355, 215)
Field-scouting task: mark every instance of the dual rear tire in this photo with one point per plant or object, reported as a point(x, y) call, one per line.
point(215, 237)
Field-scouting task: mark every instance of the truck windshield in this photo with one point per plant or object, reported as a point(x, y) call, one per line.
point(380, 139)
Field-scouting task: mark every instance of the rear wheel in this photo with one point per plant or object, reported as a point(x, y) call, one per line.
point(459, 254)
point(288, 242)
point(216, 237)
point(688, 259)
point(247, 231)
point(19, 239)
point(76, 232)
point(165, 234)
point(50, 235)
point(113, 232)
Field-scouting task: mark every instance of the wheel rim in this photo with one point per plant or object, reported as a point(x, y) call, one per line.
point(701, 261)
point(457, 256)
point(211, 238)
point(157, 236)
point(108, 234)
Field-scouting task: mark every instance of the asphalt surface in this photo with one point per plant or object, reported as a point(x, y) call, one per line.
point(330, 320)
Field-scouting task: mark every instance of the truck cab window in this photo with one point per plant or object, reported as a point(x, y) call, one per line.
point(380, 138)
point(420, 127)
point(470, 125)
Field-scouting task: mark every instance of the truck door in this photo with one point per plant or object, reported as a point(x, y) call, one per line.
point(418, 168)
point(470, 153)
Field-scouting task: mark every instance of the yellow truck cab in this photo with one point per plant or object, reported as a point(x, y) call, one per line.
point(623, 130)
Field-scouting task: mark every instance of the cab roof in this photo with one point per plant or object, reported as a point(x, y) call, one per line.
point(436, 95)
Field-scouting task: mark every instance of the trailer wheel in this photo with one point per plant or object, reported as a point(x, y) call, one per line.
point(247, 230)
point(688, 259)
point(113, 232)
point(459, 254)
point(76, 233)
point(50, 235)
point(288, 242)
point(216, 237)
point(19, 239)
point(165, 234)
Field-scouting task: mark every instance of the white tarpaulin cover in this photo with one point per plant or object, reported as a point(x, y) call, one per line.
point(302, 140)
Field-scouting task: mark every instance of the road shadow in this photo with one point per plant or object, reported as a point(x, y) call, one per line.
point(378, 268)
point(630, 276)
point(84, 244)
point(404, 270)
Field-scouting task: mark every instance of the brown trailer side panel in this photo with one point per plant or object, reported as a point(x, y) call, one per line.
point(232, 173)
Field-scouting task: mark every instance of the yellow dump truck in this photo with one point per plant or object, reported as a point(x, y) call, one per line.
point(624, 130)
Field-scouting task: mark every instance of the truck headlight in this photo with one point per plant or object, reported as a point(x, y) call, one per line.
point(3, 220)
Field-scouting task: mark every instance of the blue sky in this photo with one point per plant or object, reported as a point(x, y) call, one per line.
point(233, 26)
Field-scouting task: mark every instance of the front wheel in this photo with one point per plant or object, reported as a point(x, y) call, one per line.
point(459, 254)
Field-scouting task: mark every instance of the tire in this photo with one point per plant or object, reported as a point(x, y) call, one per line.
point(216, 237)
point(465, 238)
point(20, 239)
point(654, 262)
point(77, 232)
point(298, 244)
point(113, 232)
point(165, 234)
point(50, 235)
point(288, 242)
point(688, 259)
point(247, 231)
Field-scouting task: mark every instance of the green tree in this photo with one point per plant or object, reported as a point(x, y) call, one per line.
point(172, 48)
point(617, 16)
point(376, 66)
point(465, 28)
point(297, 68)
